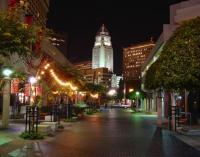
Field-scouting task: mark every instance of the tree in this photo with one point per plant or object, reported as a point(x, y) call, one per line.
point(136, 95)
point(17, 41)
point(15, 35)
point(178, 66)
point(95, 88)
point(153, 79)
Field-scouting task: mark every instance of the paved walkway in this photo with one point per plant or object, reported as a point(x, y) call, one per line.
point(10, 140)
point(111, 133)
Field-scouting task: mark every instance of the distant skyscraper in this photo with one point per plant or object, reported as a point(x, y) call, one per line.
point(84, 65)
point(133, 58)
point(37, 9)
point(102, 55)
point(60, 40)
point(115, 81)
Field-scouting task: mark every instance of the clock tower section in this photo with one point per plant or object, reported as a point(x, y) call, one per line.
point(102, 54)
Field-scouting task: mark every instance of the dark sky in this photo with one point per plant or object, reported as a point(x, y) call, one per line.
point(128, 22)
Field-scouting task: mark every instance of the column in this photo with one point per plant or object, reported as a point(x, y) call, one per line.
point(159, 111)
point(6, 104)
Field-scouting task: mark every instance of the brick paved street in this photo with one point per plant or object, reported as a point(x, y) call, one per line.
point(114, 133)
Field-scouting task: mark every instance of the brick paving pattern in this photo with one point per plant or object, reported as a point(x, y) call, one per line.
point(112, 133)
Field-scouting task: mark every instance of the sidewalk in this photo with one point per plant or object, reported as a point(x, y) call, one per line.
point(11, 145)
point(191, 140)
point(190, 136)
point(10, 140)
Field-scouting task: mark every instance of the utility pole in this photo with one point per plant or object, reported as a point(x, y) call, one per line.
point(124, 93)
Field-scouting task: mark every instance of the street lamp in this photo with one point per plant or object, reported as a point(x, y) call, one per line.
point(6, 97)
point(112, 92)
point(7, 72)
point(32, 81)
point(137, 95)
point(131, 89)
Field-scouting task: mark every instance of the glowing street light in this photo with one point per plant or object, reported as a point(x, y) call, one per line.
point(32, 80)
point(7, 72)
point(131, 89)
point(112, 92)
point(137, 94)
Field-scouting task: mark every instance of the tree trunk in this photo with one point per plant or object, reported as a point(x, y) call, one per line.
point(172, 111)
point(6, 104)
point(186, 100)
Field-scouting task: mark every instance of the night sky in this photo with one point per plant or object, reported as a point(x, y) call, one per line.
point(128, 22)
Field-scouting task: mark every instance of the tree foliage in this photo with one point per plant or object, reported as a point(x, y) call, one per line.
point(178, 66)
point(133, 96)
point(95, 88)
point(15, 35)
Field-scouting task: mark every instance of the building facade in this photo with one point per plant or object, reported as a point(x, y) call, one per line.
point(3, 4)
point(37, 9)
point(115, 81)
point(133, 58)
point(102, 54)
point(100, 76)
point(82, 66)
point(96, 76)
point(60, 40)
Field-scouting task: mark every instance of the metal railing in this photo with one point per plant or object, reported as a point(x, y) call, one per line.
point(176, 116)
point(186, 114)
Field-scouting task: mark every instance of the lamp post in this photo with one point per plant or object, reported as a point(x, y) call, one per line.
point(124, 92)
point(6, 97)
point(32, 81)
point(137, 95)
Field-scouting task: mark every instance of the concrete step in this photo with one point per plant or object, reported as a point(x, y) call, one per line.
point(188, 131)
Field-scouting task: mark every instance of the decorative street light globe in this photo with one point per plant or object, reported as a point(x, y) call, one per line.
point(137, 93)
point(112, 92)
point(32, 80)
point(7, 72)
point(131, 89)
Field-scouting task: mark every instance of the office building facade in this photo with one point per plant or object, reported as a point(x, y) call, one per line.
point(133, 58)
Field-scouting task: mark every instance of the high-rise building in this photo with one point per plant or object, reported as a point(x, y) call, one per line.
point(3, 4)
point(100, 76)
point(96, 76)
point(115, 81)
point(60, 40)
point(38, 9)
point(84, 65)
point(133, 58)
point(102, 55)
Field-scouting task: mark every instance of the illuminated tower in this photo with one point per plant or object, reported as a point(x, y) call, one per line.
point(102, 54)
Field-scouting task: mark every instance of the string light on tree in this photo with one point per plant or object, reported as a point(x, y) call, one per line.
point(62, 83)
point(94, 95)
